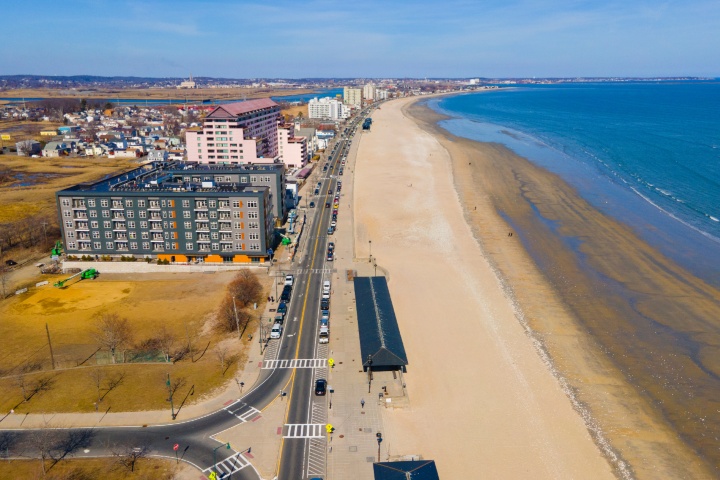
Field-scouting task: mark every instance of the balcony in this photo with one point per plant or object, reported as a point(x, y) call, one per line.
point(155, 216)
point(82, 226)
point(82, 215)
point(154, 206)
point(117, 206)
point(119, 227)
point(118, 216)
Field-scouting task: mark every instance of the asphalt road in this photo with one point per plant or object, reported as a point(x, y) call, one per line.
point(193, 437)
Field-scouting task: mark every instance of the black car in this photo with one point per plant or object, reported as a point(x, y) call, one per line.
point(320, 386)
point(286, 294)
point(282, 308)
point(312, 204)
point(325, 304)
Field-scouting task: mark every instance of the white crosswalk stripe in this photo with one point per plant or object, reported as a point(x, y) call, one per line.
point(304, 430)
point(230, 465)
point(295, 363)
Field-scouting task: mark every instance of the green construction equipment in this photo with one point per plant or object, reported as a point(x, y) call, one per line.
point(57, 251)
point(90, 273)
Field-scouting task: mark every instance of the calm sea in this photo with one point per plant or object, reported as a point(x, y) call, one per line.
point(647, 154)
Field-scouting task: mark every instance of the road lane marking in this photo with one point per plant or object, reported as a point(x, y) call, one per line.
point(295, 363)
point(304, 430)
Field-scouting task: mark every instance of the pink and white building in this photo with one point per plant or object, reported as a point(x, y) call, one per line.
point(237, 133)
point(293, 150)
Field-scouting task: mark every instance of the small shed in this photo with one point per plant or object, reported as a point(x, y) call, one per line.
point(381, 344)
point(406, 470)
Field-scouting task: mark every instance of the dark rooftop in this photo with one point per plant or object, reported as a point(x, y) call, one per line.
point(381, 344)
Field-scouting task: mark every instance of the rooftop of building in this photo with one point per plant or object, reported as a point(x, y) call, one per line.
point(242, 108)
point(162, 176)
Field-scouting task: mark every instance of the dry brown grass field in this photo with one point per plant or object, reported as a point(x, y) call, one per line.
point(293, 111)
point(28, 185)
point(25, 130)
point(90, 469)
point(185, 304)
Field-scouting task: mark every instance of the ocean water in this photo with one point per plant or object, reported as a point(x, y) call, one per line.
point(647, 154)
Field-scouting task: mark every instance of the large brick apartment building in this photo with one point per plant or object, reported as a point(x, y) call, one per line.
point(176, 211)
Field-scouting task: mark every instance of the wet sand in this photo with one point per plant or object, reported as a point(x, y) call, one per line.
point(632, 336)
point(483, 400)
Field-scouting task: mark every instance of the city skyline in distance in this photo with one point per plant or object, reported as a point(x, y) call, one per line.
point(328, 39)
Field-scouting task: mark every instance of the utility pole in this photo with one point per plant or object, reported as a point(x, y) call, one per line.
point(170, 397)
point(237, 322)
point(52, 356)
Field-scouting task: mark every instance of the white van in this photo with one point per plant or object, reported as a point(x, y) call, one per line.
point(276, 331)
point(324, 335)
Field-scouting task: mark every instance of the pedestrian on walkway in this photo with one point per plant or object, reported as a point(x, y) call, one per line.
point(362, 403)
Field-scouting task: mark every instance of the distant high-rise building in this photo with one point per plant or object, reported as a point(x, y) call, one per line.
point(352, 96)
point(369, 91)
point(327, 109)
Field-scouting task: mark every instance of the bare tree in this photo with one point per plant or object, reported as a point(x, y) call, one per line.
point(245, 288)
point(24, 148)
point(21, 383)
point(113, 382)
point(128, 456)
point(44, 441)
point(222, 354)
point(177, 384)
point(96, 375)
point(165, 341)
point(227, 321)
point(112, 332)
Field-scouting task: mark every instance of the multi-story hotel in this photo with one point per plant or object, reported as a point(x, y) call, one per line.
point(175, 211)
point(244, 133)
point(327, 108)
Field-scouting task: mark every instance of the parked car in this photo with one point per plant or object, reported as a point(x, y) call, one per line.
point(325, 304)
point(320, 386)
point(286, 294)
point(327, 205)
point(330, 256)
point(276, 331)
point(289, 280)
point(331, 230)
point(282, 308)
point(312, 204)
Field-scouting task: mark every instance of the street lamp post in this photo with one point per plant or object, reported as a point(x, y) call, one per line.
point(170, 397)
point(375, 265)
point(369, 362)
point(227, 445)
point(370, 253)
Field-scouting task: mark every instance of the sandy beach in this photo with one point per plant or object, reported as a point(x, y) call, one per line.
point(528, 356)
point(483, 402)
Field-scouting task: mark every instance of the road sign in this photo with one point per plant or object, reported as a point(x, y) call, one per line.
point(176, 446)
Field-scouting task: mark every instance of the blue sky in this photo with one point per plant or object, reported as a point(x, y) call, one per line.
point(374, 38)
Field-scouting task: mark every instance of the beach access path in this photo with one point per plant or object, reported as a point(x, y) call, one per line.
point(482, 402)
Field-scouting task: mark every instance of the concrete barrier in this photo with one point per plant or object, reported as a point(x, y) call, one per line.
point(40, 284)
point(22, 290)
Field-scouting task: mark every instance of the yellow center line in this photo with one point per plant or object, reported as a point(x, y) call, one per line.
point(299, 338)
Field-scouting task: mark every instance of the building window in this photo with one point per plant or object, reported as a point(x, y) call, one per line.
point(128, 203)
point(104, 202)
point(146, 245)
point(254, 225)
point(107, 224)
point(132, 235)
point(238, 246)
point(254, 247)
point(254, 236)
point(213, 214)
point(141, 203)
point(97, 245)
point(131, 224)
point(106, 213)
point(236, 203)
point(215, 246)
point(145, 235)
point(71, 234)
point(67, 213)
point(133, 245)
point(214, 235)
point(96, 234)
point(237, 215)
point(109, 245)
point(108, 234)
point(188, 235)
point(93, 213)
point(189, 246)
point(143, 224)
point(186, 214)
point(130, 214)
point(186, 203)
point(188, 225)
point(253, 215)
point(252, 203)
point(71, 245)
point(91, 202)
point(239, 236)
point(66, 202)
point(211, 203)
point(174, 246)
point(142, 214)
point(69, 224)
point(94, 224)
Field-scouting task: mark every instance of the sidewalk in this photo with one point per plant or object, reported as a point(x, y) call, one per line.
point(353, 446)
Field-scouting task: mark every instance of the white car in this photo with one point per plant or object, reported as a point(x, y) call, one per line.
point(276, 331)
point(289, 280)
